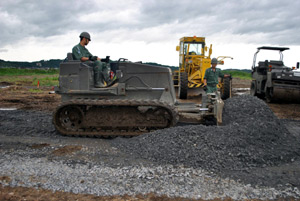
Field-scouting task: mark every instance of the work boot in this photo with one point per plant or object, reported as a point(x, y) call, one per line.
point(108, 80)
point(106, 76)
point(98, 80)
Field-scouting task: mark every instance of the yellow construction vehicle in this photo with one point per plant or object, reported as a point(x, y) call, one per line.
point(192, 66)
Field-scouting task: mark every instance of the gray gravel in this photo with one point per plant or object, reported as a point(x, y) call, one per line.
point(252, 137)
point(27, 123)
point(189, 161)
point(101, 180)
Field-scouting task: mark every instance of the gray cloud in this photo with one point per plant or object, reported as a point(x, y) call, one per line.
point(276, 20)
point(38, 18)
point(3, 50)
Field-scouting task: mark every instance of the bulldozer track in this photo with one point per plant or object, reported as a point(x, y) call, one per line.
point(110, 118)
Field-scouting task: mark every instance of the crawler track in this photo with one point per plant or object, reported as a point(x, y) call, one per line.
point(96, 118)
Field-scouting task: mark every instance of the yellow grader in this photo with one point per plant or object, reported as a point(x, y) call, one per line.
point(192, 66)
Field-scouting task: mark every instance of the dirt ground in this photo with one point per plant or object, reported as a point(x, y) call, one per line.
point(32, 194)
point(32, 98)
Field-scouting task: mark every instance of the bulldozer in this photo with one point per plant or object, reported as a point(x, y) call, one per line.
point(192, 66)
point(140, 101)
point(273, 81)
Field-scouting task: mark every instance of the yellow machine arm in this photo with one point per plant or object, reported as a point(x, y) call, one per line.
point(221, 59)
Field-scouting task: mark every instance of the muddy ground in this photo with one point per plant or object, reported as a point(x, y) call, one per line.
point(41, 99)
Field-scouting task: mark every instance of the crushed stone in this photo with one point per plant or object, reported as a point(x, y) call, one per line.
point(252, 136)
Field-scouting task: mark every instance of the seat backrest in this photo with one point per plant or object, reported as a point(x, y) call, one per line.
point(275, 62)
point(70, 56)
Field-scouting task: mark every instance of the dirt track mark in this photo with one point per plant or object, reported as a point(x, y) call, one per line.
point(39, 146)
point(66, 150)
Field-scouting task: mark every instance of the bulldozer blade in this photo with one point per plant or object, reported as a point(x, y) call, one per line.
point(219, 105)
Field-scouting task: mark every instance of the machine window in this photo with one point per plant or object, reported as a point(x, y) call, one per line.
point(194, 48)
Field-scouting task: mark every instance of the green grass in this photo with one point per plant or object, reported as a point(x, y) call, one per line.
point(29, 77)
point(16, 71)
point(239, 74)
point(45, 81)
point(51, 80)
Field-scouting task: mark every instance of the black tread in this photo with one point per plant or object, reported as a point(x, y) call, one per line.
point(118, 102)
point(269, 94)
point(253, 88)
point(183, 85)
point(226, 88)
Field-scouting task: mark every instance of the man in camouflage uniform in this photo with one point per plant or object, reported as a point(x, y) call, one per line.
point(81, 53)
point(211, 77)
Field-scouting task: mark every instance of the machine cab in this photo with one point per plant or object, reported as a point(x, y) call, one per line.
point(190, 48)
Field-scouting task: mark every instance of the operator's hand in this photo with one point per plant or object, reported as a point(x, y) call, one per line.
point(226, 75)
point(93, 58)
point(106, 59)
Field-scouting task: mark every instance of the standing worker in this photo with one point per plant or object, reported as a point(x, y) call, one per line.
point(81, 53)
point(211, 77)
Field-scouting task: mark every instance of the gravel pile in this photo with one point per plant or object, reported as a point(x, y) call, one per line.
point(252, 136)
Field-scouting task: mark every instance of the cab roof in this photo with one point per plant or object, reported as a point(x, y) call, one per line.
point(273, 48)
point(192, 39)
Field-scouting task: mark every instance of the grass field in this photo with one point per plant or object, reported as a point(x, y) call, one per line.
point(239, 74)
point(16, 71)
point(29, 77)
point(49, 77)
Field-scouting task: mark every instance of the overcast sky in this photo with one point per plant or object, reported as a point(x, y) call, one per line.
point(148, 30)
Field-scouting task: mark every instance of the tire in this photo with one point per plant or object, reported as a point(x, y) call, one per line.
point(226, 88)
point(183, 85)
point(253, 88)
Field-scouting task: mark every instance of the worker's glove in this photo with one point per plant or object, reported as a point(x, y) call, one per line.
point(93, 58)
point(106, 59)
point(205, 88)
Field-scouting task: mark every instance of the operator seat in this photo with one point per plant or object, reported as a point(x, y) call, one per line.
point(75, 75)
point(70, 57)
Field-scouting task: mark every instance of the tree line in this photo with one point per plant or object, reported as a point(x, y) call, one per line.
point(52, 63)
